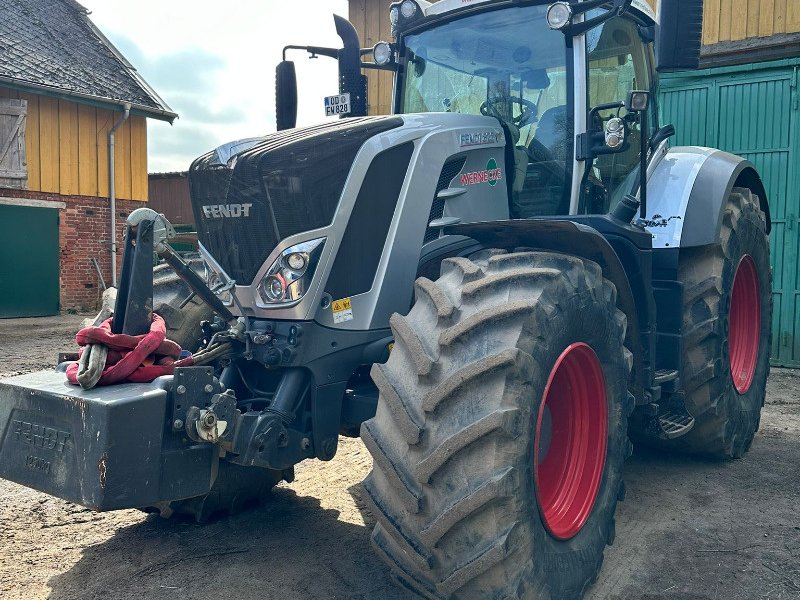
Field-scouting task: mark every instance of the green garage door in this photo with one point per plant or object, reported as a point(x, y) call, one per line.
point(28, 261)
point(752, 111)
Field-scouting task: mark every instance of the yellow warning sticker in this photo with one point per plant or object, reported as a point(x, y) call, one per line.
point(342, 310)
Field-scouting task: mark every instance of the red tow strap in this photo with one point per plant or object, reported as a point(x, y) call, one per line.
point(131, 358)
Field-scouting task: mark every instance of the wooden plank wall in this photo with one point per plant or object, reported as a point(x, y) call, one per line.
point(371, 20)
point(732, 20)
point(67, 148)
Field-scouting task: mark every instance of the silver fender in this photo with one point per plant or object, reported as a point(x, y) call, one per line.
point(687, 191)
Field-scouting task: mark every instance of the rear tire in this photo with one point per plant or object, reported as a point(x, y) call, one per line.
point(727, 323)
point(462, 485)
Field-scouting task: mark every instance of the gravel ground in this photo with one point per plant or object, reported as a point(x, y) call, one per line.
point(689, 529)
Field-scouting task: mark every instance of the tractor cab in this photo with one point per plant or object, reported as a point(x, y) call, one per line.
point(545, 71)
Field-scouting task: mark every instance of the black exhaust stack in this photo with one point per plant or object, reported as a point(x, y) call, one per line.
point(351, 80)
point(679, 34)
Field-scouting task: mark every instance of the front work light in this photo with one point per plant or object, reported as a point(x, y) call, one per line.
point(290, 276)
point(637, 101)
point(559, 15)
point(615, 132)
point(382, 53)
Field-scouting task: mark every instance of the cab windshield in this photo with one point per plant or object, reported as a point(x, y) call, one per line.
point(510, 65)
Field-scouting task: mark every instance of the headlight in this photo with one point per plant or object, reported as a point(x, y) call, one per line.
point(289, 277)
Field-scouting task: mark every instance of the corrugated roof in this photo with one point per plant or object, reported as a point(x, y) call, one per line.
point(52, 45)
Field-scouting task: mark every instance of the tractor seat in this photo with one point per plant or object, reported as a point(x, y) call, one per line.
point(555, 132)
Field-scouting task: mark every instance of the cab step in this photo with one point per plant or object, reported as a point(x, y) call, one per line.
point(665, 375)
point(674, 424)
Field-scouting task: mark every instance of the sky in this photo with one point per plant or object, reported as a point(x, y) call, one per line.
point(214, 64)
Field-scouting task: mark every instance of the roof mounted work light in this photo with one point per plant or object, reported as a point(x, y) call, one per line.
point(401, 14)
point(408, 9)
point(559, 15)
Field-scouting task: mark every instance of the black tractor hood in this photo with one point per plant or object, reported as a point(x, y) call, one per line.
point(248, 196)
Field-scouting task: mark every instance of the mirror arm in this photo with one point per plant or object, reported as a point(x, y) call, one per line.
point(394, 67)
point(314, 51)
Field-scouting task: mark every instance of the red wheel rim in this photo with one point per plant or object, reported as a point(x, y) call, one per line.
point(571, 440)
point(744, 330)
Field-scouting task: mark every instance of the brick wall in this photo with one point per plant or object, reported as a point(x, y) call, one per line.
point(84, 233)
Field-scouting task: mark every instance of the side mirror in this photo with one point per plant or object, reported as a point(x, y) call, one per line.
point(666, 132)
point(679, 35)
point(286, 95)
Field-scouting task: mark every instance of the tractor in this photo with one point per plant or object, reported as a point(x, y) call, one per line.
point(499, 287)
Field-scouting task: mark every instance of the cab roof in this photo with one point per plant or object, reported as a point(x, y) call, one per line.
point(445, 6)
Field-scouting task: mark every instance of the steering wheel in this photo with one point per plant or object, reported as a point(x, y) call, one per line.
point(526, 116)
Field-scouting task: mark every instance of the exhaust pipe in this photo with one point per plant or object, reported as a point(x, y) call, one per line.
point(351, 80)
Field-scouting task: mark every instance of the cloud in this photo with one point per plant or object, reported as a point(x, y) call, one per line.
point(189, 73)
point(216, 67)
point(188, 141)
point(192, 108)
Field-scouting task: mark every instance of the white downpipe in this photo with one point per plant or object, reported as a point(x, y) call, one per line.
point(113, 191)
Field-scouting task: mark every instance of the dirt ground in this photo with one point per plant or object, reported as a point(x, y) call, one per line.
point(688, 530)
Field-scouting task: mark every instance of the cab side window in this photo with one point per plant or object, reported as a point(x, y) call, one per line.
point(618, 62)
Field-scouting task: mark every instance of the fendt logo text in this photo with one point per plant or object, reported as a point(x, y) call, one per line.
point(39, 436)
point(227, 211)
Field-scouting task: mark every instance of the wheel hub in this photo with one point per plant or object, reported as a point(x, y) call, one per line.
point(744, 324)
point(571, 441)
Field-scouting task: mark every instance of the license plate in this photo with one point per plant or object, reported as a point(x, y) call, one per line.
point(337, 105)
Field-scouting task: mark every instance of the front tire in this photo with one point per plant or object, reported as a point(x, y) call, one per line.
point(501, 430)
point(181, 309)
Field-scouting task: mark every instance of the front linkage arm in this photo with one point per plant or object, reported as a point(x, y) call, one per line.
point(252, 438)
point(208, 413)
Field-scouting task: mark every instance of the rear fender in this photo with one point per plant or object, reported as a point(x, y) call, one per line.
point(687, 193)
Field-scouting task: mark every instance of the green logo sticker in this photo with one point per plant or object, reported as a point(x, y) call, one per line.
point(491, 166)
point(491, 175)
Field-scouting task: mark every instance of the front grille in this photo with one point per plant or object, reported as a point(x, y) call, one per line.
point(450, 170)
point(281, 185)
